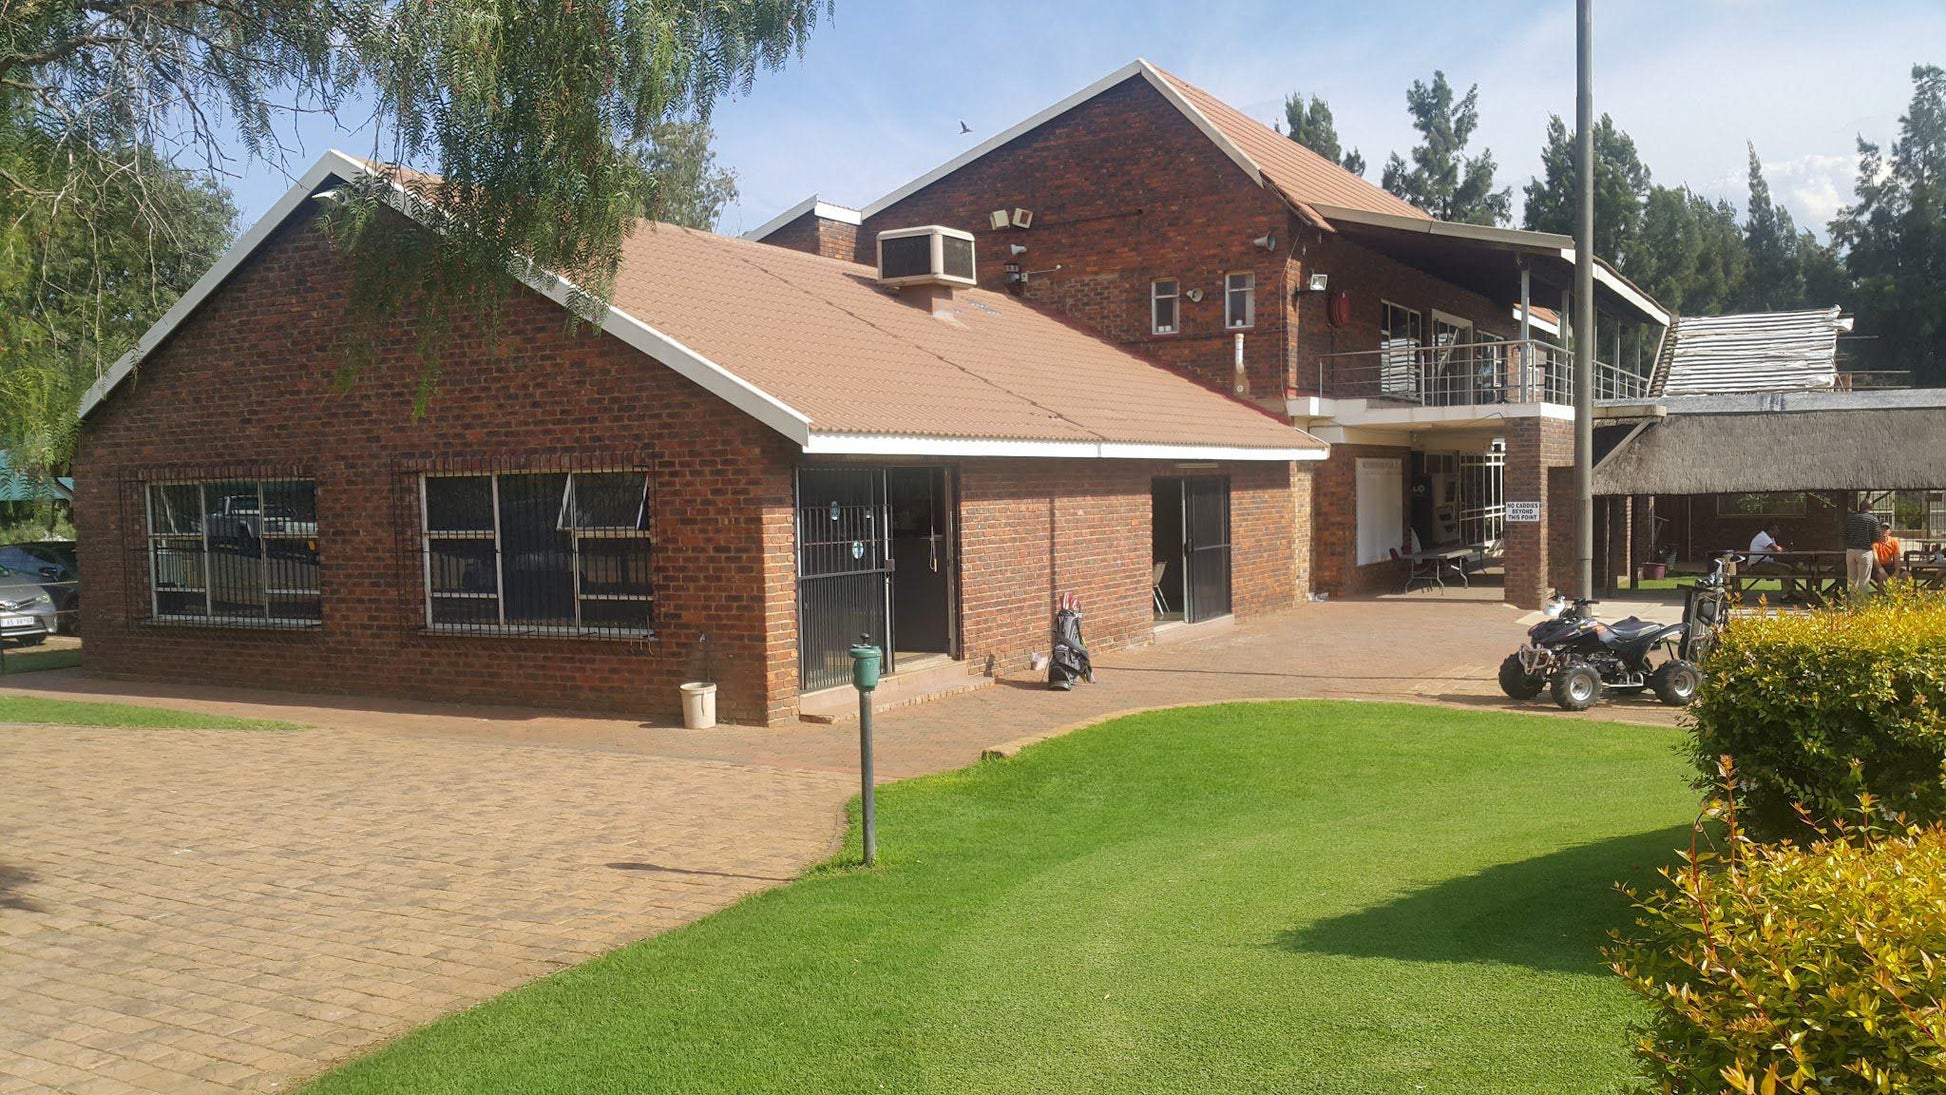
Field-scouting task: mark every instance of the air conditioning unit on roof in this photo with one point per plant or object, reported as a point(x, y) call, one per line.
point(928, 255)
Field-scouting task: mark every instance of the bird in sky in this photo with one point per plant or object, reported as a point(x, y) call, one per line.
point(964, 128)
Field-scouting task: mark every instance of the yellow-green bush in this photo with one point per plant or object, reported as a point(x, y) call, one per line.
point(1818, 708)
point(1816, 968)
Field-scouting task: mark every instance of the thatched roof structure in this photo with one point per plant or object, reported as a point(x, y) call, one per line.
point(1899, 448)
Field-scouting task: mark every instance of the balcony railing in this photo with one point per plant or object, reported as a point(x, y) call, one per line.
point(1469, 374)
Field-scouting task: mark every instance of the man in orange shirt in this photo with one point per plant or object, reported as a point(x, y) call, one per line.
point(1888, 555)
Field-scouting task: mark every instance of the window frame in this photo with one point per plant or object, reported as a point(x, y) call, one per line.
point(1399, 365)
point(1156, 297)
point(1249, 291)
point(564, 522)
point(266, 591)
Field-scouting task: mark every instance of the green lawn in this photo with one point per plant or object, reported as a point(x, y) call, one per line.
point(1291, 897)
point(82, 713)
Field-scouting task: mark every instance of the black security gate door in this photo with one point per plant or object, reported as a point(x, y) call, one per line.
point(1206, 546)
point(843, 580)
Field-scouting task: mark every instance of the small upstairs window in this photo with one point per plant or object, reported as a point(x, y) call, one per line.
point(1164, 301)
point(1240, 301)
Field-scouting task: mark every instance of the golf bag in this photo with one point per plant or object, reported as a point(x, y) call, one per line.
point(1070, 660)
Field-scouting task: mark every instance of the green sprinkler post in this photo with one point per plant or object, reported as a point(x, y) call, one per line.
point(865, 662)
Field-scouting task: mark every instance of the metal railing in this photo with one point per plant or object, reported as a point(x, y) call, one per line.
point(1469, 374)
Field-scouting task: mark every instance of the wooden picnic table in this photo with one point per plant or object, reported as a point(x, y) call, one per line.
point(1927, 569)
point(1813, 576)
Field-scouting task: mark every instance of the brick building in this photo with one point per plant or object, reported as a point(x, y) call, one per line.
point(1168, 222)
point(757, 457)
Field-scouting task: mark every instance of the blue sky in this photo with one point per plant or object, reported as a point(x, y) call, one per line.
point(879, 94)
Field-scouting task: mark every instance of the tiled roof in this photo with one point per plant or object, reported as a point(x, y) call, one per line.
point(1302, 176)
point(823, 338)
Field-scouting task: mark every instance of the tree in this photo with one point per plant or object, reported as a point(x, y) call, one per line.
point(1311, 126)
point(1691, 253)
point(1894, 238)
point(1621, 187)
point(77, 289)
point(1776, 278)
point(536, 118)
point(1442, 179)
point(695, 188)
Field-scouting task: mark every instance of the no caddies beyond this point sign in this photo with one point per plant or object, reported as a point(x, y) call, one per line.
point(1527, 512)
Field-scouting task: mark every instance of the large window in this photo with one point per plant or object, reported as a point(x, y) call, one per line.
point(539, 553)
point(1240, 300)
point(239, 551)
point(1401, 333)
point(1164, 299)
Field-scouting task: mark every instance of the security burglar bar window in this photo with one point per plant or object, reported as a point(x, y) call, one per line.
point(237, 551)
point(550, 553)
point(1400, 336)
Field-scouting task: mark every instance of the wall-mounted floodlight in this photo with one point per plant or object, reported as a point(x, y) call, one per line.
point(1319, 283)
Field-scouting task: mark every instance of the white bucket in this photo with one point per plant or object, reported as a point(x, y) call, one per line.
point(699, 705)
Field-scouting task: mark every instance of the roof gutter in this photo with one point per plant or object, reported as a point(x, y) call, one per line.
point(857, 444)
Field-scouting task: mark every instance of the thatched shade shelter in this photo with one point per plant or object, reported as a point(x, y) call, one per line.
point(1900, 448)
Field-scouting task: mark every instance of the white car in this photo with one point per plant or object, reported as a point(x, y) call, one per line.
point(26, 611)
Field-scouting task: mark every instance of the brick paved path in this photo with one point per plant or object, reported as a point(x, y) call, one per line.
point(200, 910)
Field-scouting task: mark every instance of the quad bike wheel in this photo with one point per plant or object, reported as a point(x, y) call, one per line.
point(1675, 682)
point(1516, 682)
point(1577, 687)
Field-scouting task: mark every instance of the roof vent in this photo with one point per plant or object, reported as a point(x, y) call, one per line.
point(932, 255)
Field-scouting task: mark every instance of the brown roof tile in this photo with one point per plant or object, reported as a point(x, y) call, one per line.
point(1301, 175)
point(820, 336)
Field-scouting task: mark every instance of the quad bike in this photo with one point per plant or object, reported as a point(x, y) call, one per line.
point(1577, 657)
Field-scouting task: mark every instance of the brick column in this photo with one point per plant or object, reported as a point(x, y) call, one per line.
point(1534, 445)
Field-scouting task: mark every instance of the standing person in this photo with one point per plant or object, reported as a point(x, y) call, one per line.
point(1861, 534)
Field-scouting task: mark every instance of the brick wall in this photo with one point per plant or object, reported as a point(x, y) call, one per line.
point(249, 378)
point(1539, 467)
point(817, 235)
point(1125, 190)
point(1031, 530)
point(1335, 566)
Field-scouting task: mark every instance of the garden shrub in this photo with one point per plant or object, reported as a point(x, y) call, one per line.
point(1818, 708)
point(1795, 968)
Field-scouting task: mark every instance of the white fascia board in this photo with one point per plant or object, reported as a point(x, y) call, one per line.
point(1623, 288)
point(1351, 413)
point(823, 210)
point(1137, 67)
point(1536, 322)
point(856, 444)
point(329, 165)
point(707, 374)
point(1518, 238)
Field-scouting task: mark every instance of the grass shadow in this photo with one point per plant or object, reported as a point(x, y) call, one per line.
point(12, 880)
point(1552, 912)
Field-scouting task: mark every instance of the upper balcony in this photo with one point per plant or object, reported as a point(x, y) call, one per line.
point(1469, 374)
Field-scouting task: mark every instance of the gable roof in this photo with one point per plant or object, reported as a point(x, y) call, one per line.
point(1303, 177)
point(1300, 175)
point(1754, 352)
point(814, 349)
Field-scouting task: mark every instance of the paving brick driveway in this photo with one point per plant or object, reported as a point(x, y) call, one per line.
point(200, 910)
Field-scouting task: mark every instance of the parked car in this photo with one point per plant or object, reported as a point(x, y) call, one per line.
point(242, 522)
point(53, 563)
point(26, 611)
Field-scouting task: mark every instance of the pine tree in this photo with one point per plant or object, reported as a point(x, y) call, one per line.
point(1776, 280)
point(1691, 254)
point(1310, 125)
point(1621, 186)
point(1894, 238)
point(1441, 178)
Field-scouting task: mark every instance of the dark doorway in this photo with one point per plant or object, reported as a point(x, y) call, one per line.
point(876, 557)
point(922, 560)
point(1191, 522)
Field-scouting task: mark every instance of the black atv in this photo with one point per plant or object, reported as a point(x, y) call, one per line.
point(1576, 657)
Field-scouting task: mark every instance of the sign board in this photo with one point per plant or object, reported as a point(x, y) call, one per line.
point(1524, 512)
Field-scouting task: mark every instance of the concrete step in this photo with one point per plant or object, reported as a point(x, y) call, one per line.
point(929, 679)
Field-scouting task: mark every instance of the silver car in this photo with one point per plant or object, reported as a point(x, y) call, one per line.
point(26, 611)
